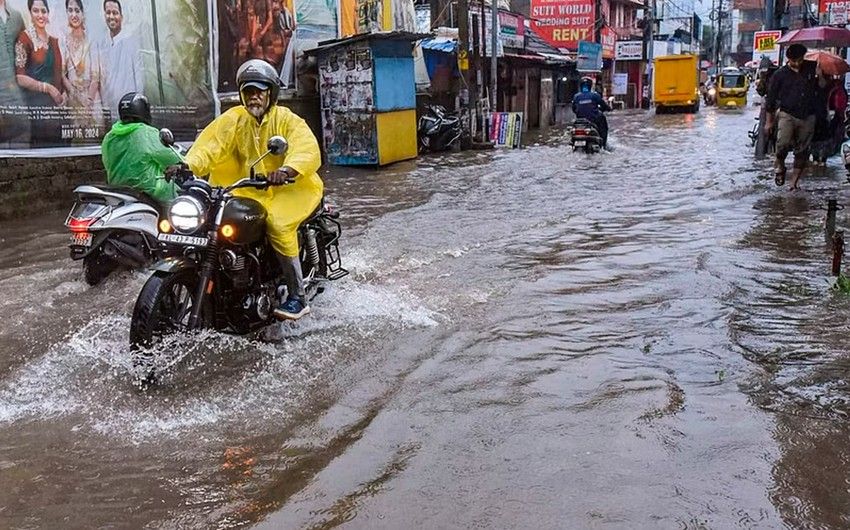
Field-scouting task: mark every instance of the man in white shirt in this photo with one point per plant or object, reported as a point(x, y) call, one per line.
point(120, 59)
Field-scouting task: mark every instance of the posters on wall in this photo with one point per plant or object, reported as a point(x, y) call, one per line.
point(362, 16)
point(76, 58)
point(348, 121)
point(254, 29)
point(563, 23)
point(71, 65)
point(620, 84)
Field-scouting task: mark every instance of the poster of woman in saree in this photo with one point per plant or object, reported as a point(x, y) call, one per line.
point(38, 67)
point(81, 69)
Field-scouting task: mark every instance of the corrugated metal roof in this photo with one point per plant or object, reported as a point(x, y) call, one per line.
point(377, 35)
point(534, 43)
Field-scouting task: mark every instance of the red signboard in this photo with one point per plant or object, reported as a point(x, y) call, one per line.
point(825, 6)
point(609, 42)
point(562, 23)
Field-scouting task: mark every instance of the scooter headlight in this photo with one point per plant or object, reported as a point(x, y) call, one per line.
point(186, 214)
point(712, 91)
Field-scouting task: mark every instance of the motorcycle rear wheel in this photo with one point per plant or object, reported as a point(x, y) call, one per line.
point(96, 267)
point(162, 309)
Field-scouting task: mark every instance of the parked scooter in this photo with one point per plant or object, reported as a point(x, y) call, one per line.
point(438, 130)
point(112, 227)
point(585, 136)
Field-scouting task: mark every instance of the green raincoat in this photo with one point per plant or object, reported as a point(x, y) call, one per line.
point(133, 156)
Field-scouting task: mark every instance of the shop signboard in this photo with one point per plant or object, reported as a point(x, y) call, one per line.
point(563, 23)
point(628, 50)
point(764, 45)
point(589, 57)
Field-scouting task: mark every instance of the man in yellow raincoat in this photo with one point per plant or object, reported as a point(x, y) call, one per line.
point(227, 147)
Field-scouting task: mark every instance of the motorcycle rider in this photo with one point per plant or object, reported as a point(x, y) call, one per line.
point(226, 147)
point(589, 105)
point(132, 153)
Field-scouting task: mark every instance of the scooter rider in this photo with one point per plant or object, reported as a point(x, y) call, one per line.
point(590, 106)
point(132, 153)
point(227, 146)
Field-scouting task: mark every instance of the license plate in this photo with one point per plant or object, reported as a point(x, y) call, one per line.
point(580, 143)
point(184, 240)
point(81, 239)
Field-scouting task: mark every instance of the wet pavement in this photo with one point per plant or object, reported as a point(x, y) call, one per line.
point(529, 339)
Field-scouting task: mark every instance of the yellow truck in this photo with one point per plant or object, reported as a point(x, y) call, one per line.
point(676, 84)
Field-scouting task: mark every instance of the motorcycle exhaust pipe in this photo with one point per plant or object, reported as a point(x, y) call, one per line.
point(125, 254)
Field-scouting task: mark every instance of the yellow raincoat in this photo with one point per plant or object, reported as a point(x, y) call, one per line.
point(226, 148)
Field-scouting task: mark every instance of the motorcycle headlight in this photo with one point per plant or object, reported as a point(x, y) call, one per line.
point(712, 92)
point(186, 214)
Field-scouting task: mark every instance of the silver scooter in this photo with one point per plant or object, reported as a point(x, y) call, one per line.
point(113, 227)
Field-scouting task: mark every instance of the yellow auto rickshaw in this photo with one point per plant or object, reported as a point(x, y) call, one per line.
point(732, 88)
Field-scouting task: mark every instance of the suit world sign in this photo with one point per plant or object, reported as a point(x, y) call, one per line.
point(563, 23)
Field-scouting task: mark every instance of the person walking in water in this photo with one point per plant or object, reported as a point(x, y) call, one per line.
point(791, 104)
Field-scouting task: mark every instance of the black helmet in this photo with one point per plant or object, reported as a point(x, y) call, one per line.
point(134, 107)
point(260, 74)
point(586, 82)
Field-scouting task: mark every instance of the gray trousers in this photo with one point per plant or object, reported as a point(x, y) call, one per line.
point(793, 134)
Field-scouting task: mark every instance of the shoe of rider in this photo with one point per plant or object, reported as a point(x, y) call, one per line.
point(295, 305)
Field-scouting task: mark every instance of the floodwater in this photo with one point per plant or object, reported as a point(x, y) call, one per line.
point(535, 338)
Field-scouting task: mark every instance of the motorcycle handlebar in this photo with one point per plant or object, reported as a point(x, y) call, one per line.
point(259, 181)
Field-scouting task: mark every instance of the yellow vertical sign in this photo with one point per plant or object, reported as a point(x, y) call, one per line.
point(463, 59)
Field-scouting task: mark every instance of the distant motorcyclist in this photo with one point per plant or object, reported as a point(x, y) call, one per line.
point(227, 146)
point(133, 154)
point(589, 105)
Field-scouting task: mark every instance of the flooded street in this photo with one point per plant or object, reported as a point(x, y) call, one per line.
point(536, 338)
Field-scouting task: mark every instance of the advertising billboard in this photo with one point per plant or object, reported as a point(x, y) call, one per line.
point(563, 23)
point(73, 61)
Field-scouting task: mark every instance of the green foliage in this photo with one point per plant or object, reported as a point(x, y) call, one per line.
point(842, 284)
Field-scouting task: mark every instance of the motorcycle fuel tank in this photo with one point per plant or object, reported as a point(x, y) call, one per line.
point(248, 219)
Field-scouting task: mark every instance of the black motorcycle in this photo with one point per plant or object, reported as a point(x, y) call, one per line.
point(585, 136)
point(438, 130)
point(226, 275)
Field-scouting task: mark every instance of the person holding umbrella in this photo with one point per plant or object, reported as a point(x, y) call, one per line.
point(791, 107)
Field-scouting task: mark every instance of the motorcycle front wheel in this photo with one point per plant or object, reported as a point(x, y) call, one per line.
point(162, 309)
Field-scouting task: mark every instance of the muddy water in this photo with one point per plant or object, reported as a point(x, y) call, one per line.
point(535, 338)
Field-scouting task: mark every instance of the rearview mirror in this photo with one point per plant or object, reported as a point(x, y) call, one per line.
point(277, 145)
point(166, 137)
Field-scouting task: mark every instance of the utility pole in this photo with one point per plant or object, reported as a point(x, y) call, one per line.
point(718, 48)
point(463, 49)
point(650, 48)
point(494, 48)
point(771, 22)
